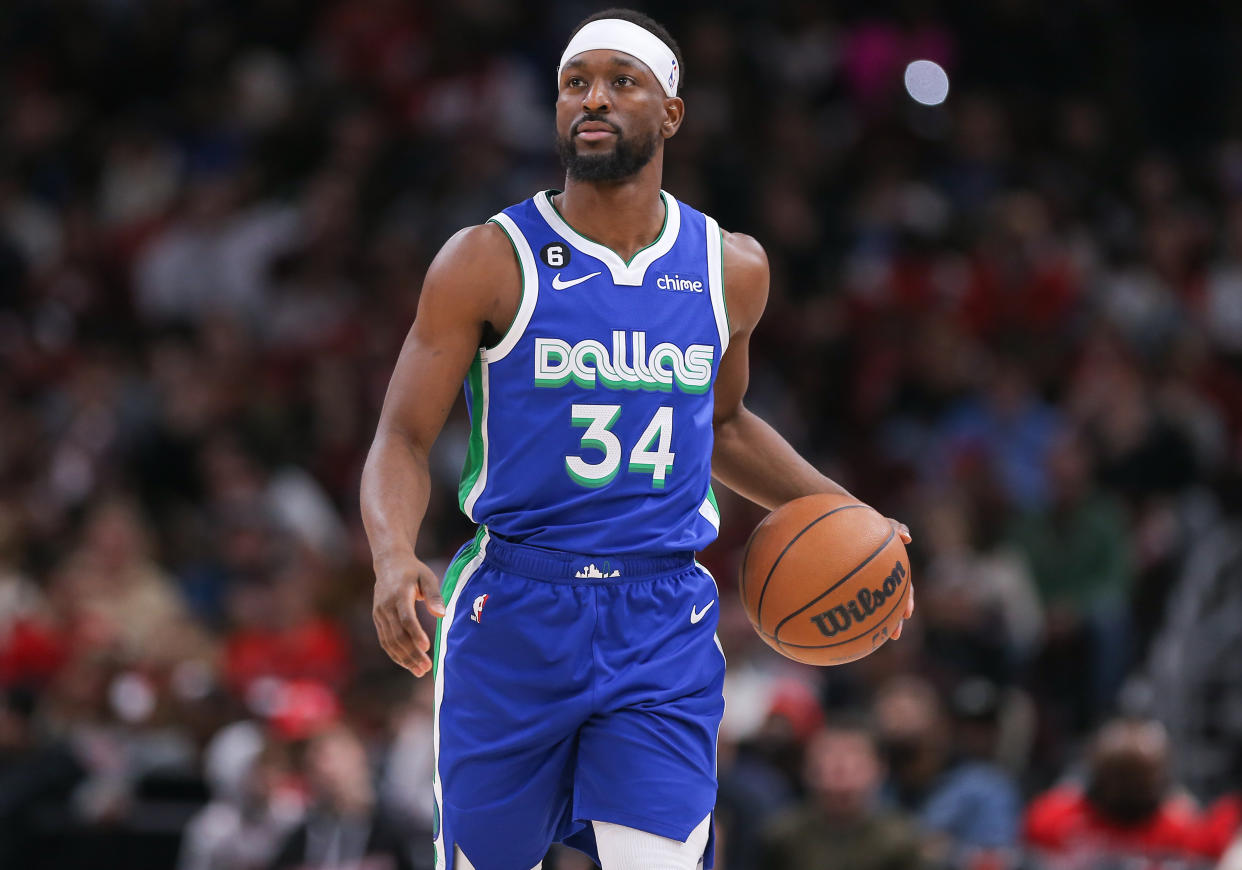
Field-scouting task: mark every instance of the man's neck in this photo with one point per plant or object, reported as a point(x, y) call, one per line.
point(625, 216)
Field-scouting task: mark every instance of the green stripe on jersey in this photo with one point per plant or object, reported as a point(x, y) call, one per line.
point(448, 586)
point(474, 454)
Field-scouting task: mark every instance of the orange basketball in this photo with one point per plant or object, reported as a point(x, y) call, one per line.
point(825, 579)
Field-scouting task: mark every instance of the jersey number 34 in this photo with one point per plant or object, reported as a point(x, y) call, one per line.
point(649, 455)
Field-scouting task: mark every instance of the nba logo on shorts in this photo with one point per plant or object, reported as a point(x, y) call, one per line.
point(478, 608)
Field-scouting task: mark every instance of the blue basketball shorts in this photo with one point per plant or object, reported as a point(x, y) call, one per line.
point(572, 688)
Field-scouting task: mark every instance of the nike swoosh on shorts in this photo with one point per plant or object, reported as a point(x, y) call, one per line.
point(696, 614)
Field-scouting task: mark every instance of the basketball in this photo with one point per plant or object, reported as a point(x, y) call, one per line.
point(825, 579)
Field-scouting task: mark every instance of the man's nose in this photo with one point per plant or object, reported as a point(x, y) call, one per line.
point(597, 97)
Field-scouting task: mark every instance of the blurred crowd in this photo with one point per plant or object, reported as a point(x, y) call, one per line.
point(1013, 321)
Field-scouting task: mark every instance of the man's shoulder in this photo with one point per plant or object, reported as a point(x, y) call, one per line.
point(744, 251)
point(490, 240)
point(476, 275)
point(476, 253)
point(485, 239)
point(745, 279)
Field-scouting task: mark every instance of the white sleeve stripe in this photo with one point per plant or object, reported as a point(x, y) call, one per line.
point(715, 281)
point(530, 290)
point(710, 514)
point(480, 482)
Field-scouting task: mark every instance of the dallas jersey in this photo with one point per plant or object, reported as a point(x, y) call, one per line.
point(578, 678)
point(591, 420)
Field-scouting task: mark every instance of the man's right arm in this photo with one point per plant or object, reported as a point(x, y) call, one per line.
point(472, 283)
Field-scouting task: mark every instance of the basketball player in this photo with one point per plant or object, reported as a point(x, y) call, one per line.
point(602, 333)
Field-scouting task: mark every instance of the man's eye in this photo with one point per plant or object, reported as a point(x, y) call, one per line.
point(574, 82)
point(625, 80)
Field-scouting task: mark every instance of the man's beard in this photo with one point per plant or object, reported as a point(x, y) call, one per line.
point(626, 158)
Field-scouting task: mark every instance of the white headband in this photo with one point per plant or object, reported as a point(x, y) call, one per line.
point(632, 40)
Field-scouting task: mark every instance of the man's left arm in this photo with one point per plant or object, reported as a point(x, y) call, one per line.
point(749, 456)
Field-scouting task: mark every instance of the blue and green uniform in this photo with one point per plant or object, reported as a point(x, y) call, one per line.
point(578, 674)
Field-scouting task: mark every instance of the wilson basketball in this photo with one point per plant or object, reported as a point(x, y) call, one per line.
point(825, 579)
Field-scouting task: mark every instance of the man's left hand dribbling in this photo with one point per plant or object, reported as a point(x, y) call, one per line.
point(903, 532)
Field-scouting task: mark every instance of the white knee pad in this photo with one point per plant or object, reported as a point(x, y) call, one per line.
point(461, 862)
point(622, 848)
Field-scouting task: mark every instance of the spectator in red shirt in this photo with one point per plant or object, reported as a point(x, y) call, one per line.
point(1220, 828)
point(1127, 811)
point(277, 631)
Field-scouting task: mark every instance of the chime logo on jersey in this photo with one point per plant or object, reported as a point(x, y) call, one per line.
point(682, 283)
point(589, 363)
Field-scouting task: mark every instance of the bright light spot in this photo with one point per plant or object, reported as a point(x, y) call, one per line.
point(927, 82)
point(132, 697)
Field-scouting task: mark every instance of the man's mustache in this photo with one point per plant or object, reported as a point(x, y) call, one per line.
point(597, 119)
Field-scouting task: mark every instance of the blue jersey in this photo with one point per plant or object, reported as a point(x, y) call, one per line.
point(591, 419)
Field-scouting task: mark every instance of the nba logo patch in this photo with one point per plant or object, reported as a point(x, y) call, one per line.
point(672, 74)
point(477, 615)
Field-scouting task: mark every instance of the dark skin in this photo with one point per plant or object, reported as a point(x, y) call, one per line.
point(471, 295)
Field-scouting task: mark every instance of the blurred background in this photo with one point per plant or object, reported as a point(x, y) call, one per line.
point(1013, 319)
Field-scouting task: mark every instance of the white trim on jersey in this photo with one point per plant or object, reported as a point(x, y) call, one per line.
point(530, 291)
point(715, 283)
point(708, 511)
point(480, 482)
point(487, 356)
point(623, 274)
point(450, 608)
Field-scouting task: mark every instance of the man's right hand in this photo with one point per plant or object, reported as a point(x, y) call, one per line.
point(399, 582)
point(472, 286)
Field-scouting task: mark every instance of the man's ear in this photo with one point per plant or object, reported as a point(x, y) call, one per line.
point(674, 114)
